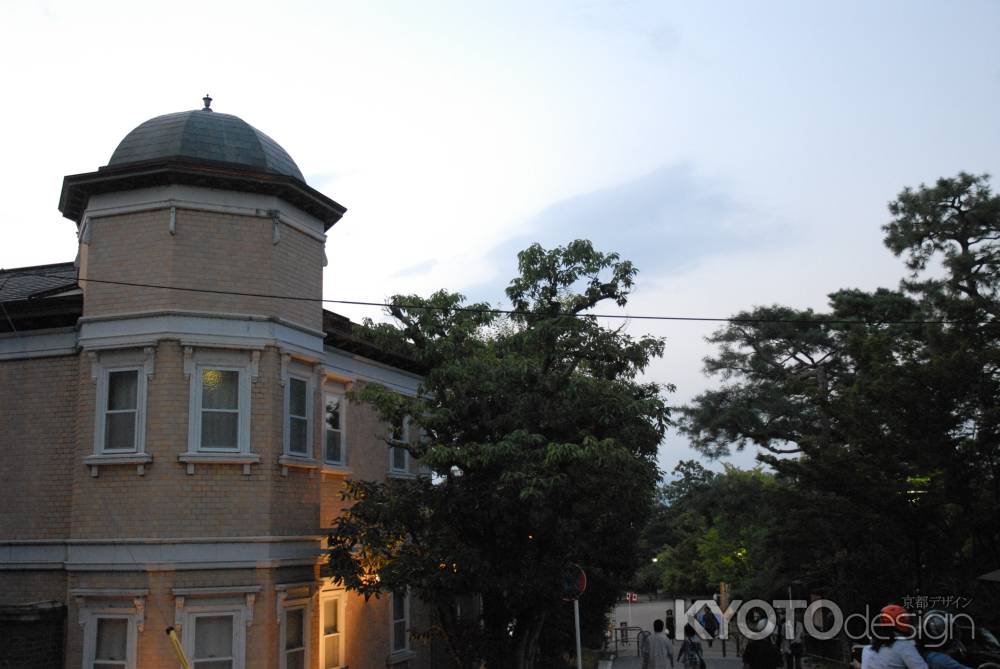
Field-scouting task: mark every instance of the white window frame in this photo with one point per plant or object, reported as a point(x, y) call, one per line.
point(286, 605)
point(307, 379)
point(393, 620)
point(90, 636)
point(400, 441)
point(238, 639)
point(103, 365)
point(103, 388)
point(225, 362)
point(103, 603)
point(212, 602)
point(337, 597)
point(342, 402)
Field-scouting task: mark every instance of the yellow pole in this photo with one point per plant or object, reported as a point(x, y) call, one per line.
point(178, 649)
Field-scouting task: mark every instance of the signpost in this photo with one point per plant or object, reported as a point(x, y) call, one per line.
point(631, 597)
point(574, 583)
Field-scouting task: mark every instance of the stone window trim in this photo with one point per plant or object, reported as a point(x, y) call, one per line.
point(305, 373)
point(97, 604)
point(246, 364)
point(102, 364)
point(336, 471)
point(290, 597)
point(190, 604)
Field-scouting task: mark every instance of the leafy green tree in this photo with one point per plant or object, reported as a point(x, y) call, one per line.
point(540, 444)
point(724, 527)
point(882, 414)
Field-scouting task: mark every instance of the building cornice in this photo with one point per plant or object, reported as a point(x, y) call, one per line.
point(175, 197)
point(47, 344)
point(198, 329)
point(160, 554)
point(77, 189)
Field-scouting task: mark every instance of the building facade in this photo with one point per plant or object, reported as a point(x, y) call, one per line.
point(173, 422)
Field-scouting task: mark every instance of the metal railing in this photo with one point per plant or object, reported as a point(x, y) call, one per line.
point(625, 638)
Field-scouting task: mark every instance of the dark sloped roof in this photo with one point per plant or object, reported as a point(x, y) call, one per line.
point(39, 297)
point(205, 135)
point(22, 283)
point(343, 334)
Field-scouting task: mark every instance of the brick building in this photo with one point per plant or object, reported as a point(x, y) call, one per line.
point(171, 455)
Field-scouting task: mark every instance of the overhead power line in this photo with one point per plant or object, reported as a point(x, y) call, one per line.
point(515, 312)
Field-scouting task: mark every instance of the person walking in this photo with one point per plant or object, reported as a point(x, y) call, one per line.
point(668, 623)
point(791, 644)
point(690, 652)
point(711, 625)
point(659, 650)
point(761, 653)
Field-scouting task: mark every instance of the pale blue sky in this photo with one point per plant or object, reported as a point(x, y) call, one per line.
point(741, 153)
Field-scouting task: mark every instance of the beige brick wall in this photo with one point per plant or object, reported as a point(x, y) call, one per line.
point(37, 431)
point(222, 252)
point(218, 499)
point(366, 624)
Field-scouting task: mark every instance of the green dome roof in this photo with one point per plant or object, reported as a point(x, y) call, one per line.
point(205, 135)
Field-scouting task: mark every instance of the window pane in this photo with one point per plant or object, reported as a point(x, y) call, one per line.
point(398, 606)
point(122, 389)
point(399, 635)
point(295, 659)
point(398, 458)
point(397, 431)
point(119, 430)
point(109, 665)
point(219, 389)
point(334, 452)
point(297, 397)
point(111, 636)
point(331, 652)
point(293, 628)
point(213, 637)
point(219, 429)
point(298, 435)
point(333, 413)
point(330, 623)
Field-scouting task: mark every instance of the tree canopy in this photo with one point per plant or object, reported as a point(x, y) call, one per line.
point(539, 441)
point(880, 416)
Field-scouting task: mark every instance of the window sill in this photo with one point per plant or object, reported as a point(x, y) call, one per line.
point(336, 470)
point(396, 474)
point(245, 459)
point(286, 460)
point(140, 460)
point(400, 656)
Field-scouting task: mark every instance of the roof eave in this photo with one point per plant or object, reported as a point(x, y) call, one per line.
point(77, 188)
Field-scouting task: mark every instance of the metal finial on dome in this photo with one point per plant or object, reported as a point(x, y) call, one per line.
point(208, 102)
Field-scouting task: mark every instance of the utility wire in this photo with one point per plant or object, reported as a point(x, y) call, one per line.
point(516, 312)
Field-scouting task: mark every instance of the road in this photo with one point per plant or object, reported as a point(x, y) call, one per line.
point(642, 615)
